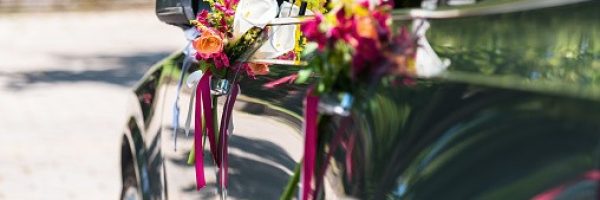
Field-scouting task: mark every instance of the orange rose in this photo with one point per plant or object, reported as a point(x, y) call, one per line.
point(209, 43)
point(259, 69)
point(366, 27)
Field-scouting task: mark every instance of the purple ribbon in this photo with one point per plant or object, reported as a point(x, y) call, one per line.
point(224, 137)
point(310, 144)
point(333, 145)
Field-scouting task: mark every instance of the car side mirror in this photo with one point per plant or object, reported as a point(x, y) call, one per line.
point(179, 12)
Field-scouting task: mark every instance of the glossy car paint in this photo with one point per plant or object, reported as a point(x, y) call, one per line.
point(515, 117)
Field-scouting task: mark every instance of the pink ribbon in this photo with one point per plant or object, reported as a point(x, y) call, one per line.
point(224, 137)
point(310, 144)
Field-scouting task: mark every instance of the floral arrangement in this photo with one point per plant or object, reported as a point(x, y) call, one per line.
point(231, 28)
point(355, 43)
point(351, 46)
point(226, 41)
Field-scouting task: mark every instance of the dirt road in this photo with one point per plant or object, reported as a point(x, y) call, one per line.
point(64, 79)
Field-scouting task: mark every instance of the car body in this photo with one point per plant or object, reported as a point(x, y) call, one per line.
point(516, 116)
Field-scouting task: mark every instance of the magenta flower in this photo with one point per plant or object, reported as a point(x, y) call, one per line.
point(221, 60)
point(225, 9)
point(382, 20)
point(202, 18)
point(311, 31)
point(366, 53)
point(345, 29)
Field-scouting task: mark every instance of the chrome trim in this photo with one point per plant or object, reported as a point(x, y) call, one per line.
point(289, 20)
point(479, 10)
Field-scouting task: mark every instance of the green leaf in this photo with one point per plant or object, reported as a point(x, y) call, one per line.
point(310, 48)
point(303, 76)
point(321, 87)
point(191, 157)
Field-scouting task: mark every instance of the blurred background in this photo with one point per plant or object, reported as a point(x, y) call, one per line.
point(66, 67)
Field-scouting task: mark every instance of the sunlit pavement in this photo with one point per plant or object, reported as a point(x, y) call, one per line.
point(64, 79)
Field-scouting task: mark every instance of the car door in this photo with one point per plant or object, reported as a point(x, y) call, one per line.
point(264, 148)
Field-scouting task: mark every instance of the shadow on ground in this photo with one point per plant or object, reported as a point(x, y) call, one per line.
point(120, 70)
point(249, 178)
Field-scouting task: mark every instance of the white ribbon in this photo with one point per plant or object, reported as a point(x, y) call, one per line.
point(189, 58)
point(427, 62)
point(192, 82)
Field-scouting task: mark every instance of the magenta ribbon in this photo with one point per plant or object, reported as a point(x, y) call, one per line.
point(224, 137)
point(204, 111)
point(333, 145)
point(203, 85)
point(208, 114)
point(310, 144)
point(310, 147)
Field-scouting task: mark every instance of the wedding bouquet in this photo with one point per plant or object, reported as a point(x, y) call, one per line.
point(230, 41)
point(353, 46)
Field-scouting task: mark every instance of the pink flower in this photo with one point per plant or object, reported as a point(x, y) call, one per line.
point(291, 55)
point(221, 60)
point(345, 29)
point(202, 17)
point(225, 9)
point(383, 20)
point(367, 54)
point(311, 31)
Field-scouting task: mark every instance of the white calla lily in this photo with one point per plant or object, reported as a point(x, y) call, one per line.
point(428, 63)
point(250, 13)
point(282, 39)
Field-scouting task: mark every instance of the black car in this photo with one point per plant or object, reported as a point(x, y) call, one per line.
point(515, 116)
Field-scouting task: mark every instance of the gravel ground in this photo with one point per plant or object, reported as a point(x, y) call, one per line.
point(64, 79)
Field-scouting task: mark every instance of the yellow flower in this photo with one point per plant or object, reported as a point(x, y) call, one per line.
point(209, 43)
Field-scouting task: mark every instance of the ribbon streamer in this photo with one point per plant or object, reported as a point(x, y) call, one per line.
point(224, 135)
point(198, 148)
point(208, 117)
point(204, 112)
point(333, 145)
point(310, 144)
point(188, 59)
